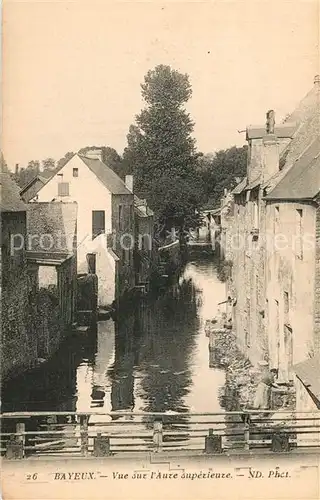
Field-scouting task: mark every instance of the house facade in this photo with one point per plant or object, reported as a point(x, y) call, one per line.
point(293, 270)
point(274, 276)
point(17, 288)
point(105, 221)
point(37, 307)
point(145, 245)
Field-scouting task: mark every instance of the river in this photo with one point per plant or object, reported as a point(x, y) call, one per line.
point(154, 357)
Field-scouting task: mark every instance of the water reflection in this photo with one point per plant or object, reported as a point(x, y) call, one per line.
point(153, 357)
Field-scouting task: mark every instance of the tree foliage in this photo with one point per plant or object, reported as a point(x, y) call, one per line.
point(161, 152)
point(220, 171)
point(49, 164)
point(61, 163)
point(24, 175)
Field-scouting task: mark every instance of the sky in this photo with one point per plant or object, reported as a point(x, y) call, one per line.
point(72, 69)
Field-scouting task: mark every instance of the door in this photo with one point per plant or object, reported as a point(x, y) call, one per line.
point(91, 260)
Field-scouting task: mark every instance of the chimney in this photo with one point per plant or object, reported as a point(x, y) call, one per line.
point(94, 154)
point(129, 182)
point(17, 169)
point(270, 122)
point(270, 157)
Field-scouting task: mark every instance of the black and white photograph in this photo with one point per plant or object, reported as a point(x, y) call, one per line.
point(160, 250)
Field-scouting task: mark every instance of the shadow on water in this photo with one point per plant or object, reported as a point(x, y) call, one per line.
point(153, 357)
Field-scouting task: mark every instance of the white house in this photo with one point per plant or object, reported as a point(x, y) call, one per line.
point(105, 222)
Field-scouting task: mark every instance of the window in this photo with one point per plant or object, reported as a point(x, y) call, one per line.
point(123, 255)
point(63, 189)
point(255, 214)
point(276, 220)
point(286, 305)
point(98, 223)
point(131, 215)
point(91, 260)
point(288, 349)
point(247, 331)
point(277, 333)
point(75, 172)
point(120, 217)
point(299, 234)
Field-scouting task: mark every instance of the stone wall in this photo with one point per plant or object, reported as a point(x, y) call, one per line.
point(247, 283)
point(123, 224)
point(52, 227)
point(34, 320)
point(18, 345)
point(290, 287)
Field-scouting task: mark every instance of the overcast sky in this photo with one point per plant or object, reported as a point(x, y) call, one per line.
point(72, 70)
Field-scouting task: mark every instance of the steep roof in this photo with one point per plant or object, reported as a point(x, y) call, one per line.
point(106, 175)
point(302, 180)
point(240, 187)
point(308, 372)
point(10, 200)
point(307, 116)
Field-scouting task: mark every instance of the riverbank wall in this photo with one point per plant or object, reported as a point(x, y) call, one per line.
point(242, 378)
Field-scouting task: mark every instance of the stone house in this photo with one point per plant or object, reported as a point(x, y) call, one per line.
point(263, 298)
point(105, 221)
point(52, 258)
point(293, 265)
point(17, 289)
point(35, 315)
point(145, 244)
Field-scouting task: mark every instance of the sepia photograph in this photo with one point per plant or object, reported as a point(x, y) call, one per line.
point(160, 249)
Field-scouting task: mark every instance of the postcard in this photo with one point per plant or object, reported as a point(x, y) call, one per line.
point(160, 270)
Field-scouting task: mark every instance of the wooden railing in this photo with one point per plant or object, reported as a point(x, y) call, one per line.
point(27, 434)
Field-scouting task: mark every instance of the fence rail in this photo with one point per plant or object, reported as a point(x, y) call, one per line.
point(26, 434)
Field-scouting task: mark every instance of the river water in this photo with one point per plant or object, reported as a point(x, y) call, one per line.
point(154, 357)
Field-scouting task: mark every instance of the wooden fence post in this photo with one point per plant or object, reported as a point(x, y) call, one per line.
point(101, 446)
point(280, 442)
point(21, 438)
point(84, 435)
point(157, 434)
point(246, 420)
point(213, 443)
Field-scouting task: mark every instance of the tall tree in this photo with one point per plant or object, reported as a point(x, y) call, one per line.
point(221, 171)
point(49, 164)
point(161, 152)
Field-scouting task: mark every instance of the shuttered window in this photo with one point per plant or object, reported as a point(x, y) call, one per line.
point(63, 189)
point(98, 223)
